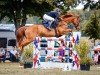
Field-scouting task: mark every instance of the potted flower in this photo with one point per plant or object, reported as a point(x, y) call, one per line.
point(27, 56)
point(83, 51)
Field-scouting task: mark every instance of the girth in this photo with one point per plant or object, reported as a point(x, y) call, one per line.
point(56, 33)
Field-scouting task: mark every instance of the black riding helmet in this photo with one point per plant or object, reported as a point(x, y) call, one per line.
point(58, 10)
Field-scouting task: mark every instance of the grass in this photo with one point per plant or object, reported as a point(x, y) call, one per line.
point(9, 68)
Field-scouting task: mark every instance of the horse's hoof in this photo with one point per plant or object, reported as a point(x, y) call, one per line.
point(19, 48)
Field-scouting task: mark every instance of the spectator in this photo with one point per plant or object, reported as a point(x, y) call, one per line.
point(14, 55)
point(7, 54)
point(95, 57)
point(2, 54)
point(99, 58)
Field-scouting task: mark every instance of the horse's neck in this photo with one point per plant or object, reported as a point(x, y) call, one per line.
point(69, 20)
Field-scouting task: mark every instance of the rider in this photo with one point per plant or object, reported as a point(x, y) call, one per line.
point(52, 17)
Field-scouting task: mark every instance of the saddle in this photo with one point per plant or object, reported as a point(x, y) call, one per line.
point(46, 24)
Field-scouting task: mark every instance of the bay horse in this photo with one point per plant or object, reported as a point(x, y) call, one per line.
point(27, 34)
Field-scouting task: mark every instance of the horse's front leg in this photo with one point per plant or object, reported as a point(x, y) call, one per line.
point(23, 43)
point(66, 31)
point(69, 30)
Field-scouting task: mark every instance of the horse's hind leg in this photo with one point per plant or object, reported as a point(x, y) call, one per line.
point(19, 38)
point(25, 42)
point(19, 44)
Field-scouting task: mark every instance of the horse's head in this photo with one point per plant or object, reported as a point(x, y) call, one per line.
point(72, 19)
point(76, 21)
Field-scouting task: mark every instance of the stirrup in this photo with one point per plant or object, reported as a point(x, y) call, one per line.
point(48, 28)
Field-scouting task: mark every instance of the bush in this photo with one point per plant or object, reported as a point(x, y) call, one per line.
point(27, 55)
point(83, 50)
point(85, 60)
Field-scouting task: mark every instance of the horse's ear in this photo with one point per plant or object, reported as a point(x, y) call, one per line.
point(78, 16)
point(70, 13)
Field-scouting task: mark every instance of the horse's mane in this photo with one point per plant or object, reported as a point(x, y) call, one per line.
point(67, 15)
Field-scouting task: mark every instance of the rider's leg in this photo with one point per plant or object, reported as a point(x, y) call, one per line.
point(50, 23)
point(49, 19)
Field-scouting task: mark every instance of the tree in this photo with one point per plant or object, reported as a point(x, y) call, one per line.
point(92, 28)
point(65, 5)
point(92, 4)
point(17, 10)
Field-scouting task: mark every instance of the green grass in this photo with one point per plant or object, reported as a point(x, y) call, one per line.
point(9, 68)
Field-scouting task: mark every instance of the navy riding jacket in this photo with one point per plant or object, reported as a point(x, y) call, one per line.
point(53, 14)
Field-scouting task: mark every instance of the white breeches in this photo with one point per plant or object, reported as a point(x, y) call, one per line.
point(46, 17)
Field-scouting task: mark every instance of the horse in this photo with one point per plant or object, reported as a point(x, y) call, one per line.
point(26, 35)
point(70, 18)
